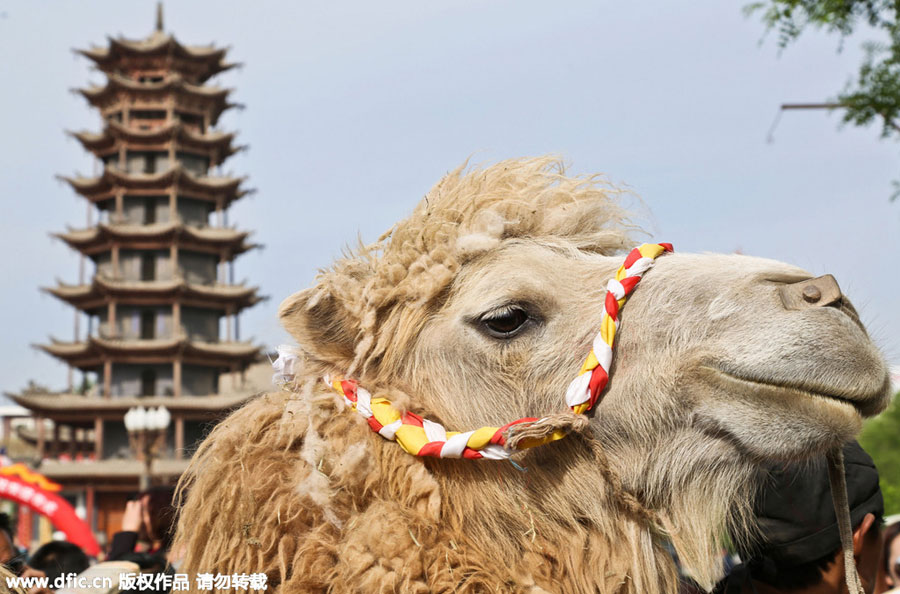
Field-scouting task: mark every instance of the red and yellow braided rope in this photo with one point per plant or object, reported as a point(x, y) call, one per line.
point(421, 437)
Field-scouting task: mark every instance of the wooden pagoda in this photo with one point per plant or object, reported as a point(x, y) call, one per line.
point(161, 307)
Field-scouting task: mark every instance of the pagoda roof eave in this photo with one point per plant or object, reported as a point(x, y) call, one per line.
point(91, 351)
point(113, 130)
point(80, 239)
point(70, 403)
point(117, 82)
point(159, 43)
point(156, 42)
point(94, 294)
point(86, 186)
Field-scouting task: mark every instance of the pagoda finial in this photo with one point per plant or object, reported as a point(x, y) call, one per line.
point(159, 17)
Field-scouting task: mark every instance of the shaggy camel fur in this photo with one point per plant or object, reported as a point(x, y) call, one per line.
point(712, 375)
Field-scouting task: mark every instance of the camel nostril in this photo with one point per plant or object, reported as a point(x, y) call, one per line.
point(811, 294)
point(814, 292)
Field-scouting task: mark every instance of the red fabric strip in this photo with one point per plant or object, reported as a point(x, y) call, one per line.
point(432, 448)
point(612, 305)
point(374, 424)
point(412, 419)
point(629, 283)
point(471, 454)
point(349, 388)
point(668, 247)
point(633, 256)
point(599, 379)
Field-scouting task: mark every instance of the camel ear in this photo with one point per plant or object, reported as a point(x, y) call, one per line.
point(322, 325)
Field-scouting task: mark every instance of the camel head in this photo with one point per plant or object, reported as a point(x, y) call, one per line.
point(481, 307)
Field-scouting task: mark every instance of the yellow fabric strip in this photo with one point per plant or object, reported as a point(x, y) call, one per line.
point(411, 438)
point(607, 329)
point(481, 437)
point(651, 250)
point(383, 412)
point(582, 408)
point(589, 363)
point(539, 441)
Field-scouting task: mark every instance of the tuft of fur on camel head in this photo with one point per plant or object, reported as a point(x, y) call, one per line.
point(477, 310)
point(343, 320)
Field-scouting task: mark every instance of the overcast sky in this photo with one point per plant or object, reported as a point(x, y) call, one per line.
point(354, 109)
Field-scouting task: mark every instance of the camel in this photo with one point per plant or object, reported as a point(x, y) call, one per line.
point(479, 309)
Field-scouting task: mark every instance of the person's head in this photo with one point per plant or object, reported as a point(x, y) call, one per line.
point(891, 555)
point(56, 558)
point(801, 541)
point(7, 543)
point(159, 514)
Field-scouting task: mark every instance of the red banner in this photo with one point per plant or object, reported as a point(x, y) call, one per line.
point(55, 508)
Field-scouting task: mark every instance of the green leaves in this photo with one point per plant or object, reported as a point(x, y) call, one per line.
point(881, 438)
point(875, 94)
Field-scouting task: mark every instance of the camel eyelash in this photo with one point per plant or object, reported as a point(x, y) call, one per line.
point(506, 321)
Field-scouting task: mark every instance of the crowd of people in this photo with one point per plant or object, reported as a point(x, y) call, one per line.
point(799, 552)
point(145, 539)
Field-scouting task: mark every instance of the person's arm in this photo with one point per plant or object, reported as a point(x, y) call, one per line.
point(124, 542)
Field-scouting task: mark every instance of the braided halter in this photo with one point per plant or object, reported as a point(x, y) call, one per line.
point(421, 437)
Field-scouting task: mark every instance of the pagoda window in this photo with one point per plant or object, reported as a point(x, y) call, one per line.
point(116, 116)
point(198, 268)
point(148, 325)
point(149, 211)
point(147, 119)
point(191, 121)
point(148, 267)
point(148, 382)
point(148, 162)
point(115, 440)
point(194, 212)
point(128, 381)
point(145, 210)
point(150, 79)
point(200, 324)
point(143, 323)
point(199, 380)
point(137, 265)
point(196, 164)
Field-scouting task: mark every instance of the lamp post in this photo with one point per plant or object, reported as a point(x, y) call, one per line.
point(146, 433)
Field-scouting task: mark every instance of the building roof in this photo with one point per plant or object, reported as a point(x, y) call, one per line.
point(157, 236)
point(215, 143)
point(103, 186)
point(204, 61)
point(93, 351)
point(94, 295)
point(215, 98)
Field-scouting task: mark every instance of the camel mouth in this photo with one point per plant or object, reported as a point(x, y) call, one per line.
point(864, 405)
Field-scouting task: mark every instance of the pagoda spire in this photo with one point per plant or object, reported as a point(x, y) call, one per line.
point(159, 17)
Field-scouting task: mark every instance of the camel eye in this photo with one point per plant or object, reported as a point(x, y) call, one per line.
point(506, 322)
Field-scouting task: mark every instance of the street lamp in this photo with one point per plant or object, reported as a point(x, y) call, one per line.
point(146, 433)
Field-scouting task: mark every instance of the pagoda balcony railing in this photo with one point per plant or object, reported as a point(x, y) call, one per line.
point(116, 220)
point(105, 332)
point(176, 277)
